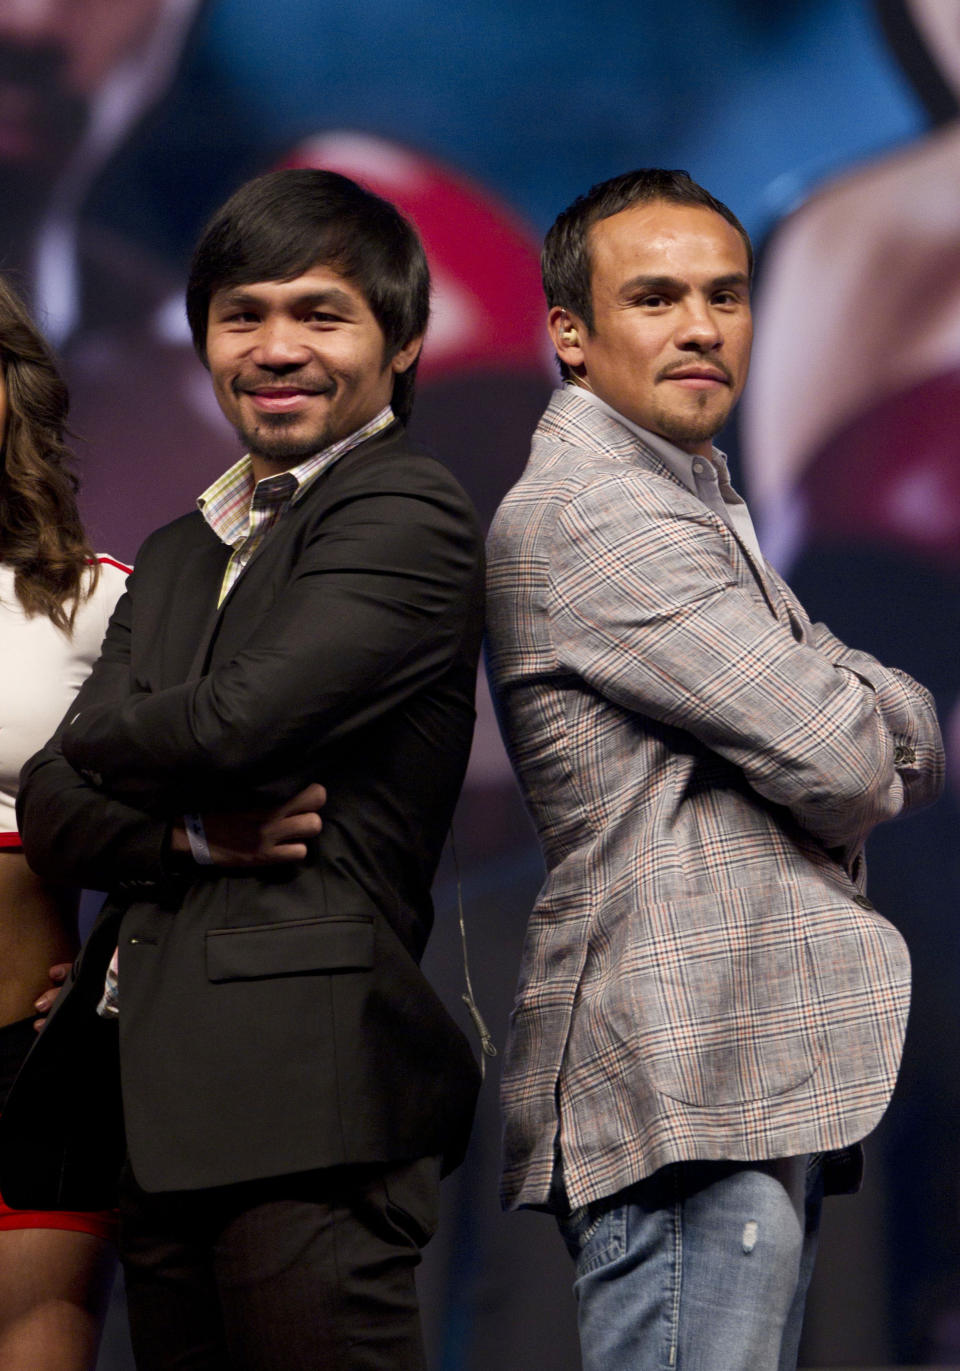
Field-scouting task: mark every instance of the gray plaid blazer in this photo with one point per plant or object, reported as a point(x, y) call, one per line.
point(703, 974)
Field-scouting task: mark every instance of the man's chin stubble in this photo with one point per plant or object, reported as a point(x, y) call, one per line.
point(692, 428)
point(273, 444)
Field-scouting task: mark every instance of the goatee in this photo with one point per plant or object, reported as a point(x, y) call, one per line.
point(270, 441)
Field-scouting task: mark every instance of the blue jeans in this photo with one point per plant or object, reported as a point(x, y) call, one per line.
point(703, 1266)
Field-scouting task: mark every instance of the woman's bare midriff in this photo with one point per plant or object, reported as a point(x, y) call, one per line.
point(38, 927)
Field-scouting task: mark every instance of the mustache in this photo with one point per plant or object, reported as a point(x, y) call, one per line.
point(696, 360)
point(286, 380)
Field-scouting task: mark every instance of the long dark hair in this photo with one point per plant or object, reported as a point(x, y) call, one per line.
point(41, 536)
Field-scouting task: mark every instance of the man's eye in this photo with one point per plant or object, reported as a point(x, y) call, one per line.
point(653, 301)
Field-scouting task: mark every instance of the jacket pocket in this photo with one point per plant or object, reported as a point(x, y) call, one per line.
point(716, 1001)
point(290, 948)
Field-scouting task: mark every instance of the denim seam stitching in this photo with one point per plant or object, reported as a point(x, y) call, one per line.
point(677, 1276)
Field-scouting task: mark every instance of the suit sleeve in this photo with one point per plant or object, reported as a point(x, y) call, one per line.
point(70, 830)
point(907, 710)
point(648, 608)
point(378, 606)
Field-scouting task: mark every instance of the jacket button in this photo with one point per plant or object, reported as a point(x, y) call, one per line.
point(904, 756)
point(863, 902)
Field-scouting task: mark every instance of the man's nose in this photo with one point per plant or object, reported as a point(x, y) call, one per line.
point(279, 344)
point(699, 327)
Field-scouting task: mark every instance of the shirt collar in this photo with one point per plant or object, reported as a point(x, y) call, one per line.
point(227, 503)
point(707, 479)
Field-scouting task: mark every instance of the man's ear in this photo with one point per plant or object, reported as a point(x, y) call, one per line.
point(565, 330)
point(404, 358)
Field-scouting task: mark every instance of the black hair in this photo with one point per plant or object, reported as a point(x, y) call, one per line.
point(278, 226)
point(565, 263)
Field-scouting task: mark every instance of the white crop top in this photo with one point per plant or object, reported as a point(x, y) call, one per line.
point(41, 669)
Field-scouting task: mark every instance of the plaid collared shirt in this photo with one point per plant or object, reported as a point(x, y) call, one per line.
point(242, 512)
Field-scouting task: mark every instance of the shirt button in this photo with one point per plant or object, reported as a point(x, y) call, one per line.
point(863, 902)
point(904, 756)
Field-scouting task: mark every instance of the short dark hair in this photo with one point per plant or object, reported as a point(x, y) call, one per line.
point(565, 263)
point(278, 226)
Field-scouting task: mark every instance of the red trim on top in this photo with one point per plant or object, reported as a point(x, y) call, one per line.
point(100, 1224)
point(103, 1225)
point(106, 560)
point(10, 840)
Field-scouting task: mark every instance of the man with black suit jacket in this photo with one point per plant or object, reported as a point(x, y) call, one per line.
point(291, 1086)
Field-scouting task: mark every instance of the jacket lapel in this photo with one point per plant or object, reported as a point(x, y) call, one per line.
point(272, 548)
point(570, 419)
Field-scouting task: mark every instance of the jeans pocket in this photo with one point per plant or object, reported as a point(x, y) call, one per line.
point(579, 1226)
point(594, 1234)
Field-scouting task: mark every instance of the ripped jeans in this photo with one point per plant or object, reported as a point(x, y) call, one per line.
point(703, 1266)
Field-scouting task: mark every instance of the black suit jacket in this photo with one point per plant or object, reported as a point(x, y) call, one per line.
point(271, 1021)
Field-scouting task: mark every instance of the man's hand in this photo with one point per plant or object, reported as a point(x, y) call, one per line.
point(260, 837)
point(58, 974)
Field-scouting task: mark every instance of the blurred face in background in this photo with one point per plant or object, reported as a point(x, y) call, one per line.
point(53, 56)
point(938, 24)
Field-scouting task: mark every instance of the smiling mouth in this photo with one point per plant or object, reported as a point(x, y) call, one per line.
point(280, 399)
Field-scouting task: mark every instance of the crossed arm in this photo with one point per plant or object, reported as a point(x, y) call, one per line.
point(75, 832)
point(647, 608)
point(378, 606)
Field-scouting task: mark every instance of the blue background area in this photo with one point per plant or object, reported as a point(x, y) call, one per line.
point(754, 99)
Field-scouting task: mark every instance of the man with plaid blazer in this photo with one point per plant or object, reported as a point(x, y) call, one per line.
point(711, 1012)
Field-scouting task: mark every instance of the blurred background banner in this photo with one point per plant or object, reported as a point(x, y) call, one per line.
point(831, 128)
